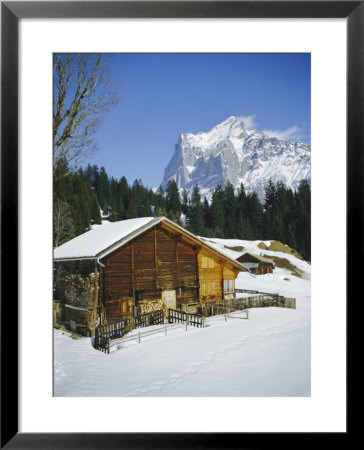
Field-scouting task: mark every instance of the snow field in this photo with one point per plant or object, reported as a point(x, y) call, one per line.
point(266, 355)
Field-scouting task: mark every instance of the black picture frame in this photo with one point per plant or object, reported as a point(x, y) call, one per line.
point(11, 12)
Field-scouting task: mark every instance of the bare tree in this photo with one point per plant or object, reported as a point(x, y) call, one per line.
point(62, 223)
point(83, 93)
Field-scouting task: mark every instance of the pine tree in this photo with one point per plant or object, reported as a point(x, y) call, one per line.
point(140, 205)
point(240, 212)
point(278, 230)
point(206, 212)
point(303, 220)
point(254, 216)
point(173, 200)
point(95, 211)
point(217, 212)
point(159, 203)
point(103, 191)
point(290, 237)
point(196, 217)
point(185, 203)
point(229, 203)
point(269, 208)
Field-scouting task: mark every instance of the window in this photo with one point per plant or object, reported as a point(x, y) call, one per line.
point(228, 285)
point(207, 263)
point(208, 288)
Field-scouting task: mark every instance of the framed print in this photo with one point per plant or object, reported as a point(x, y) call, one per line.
point(323, 39)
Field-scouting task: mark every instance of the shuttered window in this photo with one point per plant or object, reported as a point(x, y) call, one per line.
point(228, 286)
point(208, 288)
point(207, 263)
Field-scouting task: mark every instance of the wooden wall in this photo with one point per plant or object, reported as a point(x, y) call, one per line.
point(155, 267)
point(153, 262)
point(212, 272)
point(210, 275)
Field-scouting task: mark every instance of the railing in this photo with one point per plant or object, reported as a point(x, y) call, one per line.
point(258, 301)
point(116, 330)
point(175, 316)
point(139, 335)
point(109, 331)
point(248, 291)
point(147, 319)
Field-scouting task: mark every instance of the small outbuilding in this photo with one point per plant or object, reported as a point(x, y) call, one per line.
point(123, 269)
point(256, 264)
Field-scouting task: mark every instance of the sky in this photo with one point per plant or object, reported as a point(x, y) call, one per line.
point(164, 95)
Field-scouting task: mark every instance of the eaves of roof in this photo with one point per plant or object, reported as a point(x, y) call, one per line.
point(169, 224)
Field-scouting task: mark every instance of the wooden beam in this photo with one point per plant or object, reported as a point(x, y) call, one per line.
point(155, 257)
point(177, 271)
point(132, 271)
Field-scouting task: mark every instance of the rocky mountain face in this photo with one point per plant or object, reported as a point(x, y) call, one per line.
point(231, 152)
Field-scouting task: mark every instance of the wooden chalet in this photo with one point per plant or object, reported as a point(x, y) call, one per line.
point(136, 266)
point(256, 264)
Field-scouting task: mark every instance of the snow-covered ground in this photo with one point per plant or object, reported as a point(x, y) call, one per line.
point(267, 355)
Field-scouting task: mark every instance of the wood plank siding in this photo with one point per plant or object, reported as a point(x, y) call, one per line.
point(213, 271)
point(141, 270)
point(156, 268)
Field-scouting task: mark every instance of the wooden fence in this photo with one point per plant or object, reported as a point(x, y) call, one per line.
point(117, 329)
point(147, 319)
point(175, 316)
point(258, 301)
point(140, 334)
point(109, 331)
point(113, 331)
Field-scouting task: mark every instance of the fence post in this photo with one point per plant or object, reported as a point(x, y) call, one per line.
point(108, 346)
point(139, 337)
point(186, 324)
point(165, 330)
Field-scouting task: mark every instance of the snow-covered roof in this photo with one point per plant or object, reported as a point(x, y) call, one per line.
point(106, 238)
point(94, 242)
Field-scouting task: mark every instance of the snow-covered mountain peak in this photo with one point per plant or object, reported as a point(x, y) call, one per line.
point(231, 151)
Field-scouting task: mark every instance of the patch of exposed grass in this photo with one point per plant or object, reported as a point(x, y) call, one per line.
point(277, 246)
point(283, 263)
point(262, 246)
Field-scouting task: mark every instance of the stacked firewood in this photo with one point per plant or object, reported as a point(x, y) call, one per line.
point(81, 291)
point(147, 306)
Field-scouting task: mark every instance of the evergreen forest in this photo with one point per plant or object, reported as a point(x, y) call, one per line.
point(85, 197)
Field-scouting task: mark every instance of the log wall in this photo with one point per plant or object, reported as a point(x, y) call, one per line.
point(158, 267)
point(210, 276)
point(153, 262)
point(212, 272)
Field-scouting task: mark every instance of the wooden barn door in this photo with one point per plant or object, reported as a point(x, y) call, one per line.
point(126, 307)
point(169, 300)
